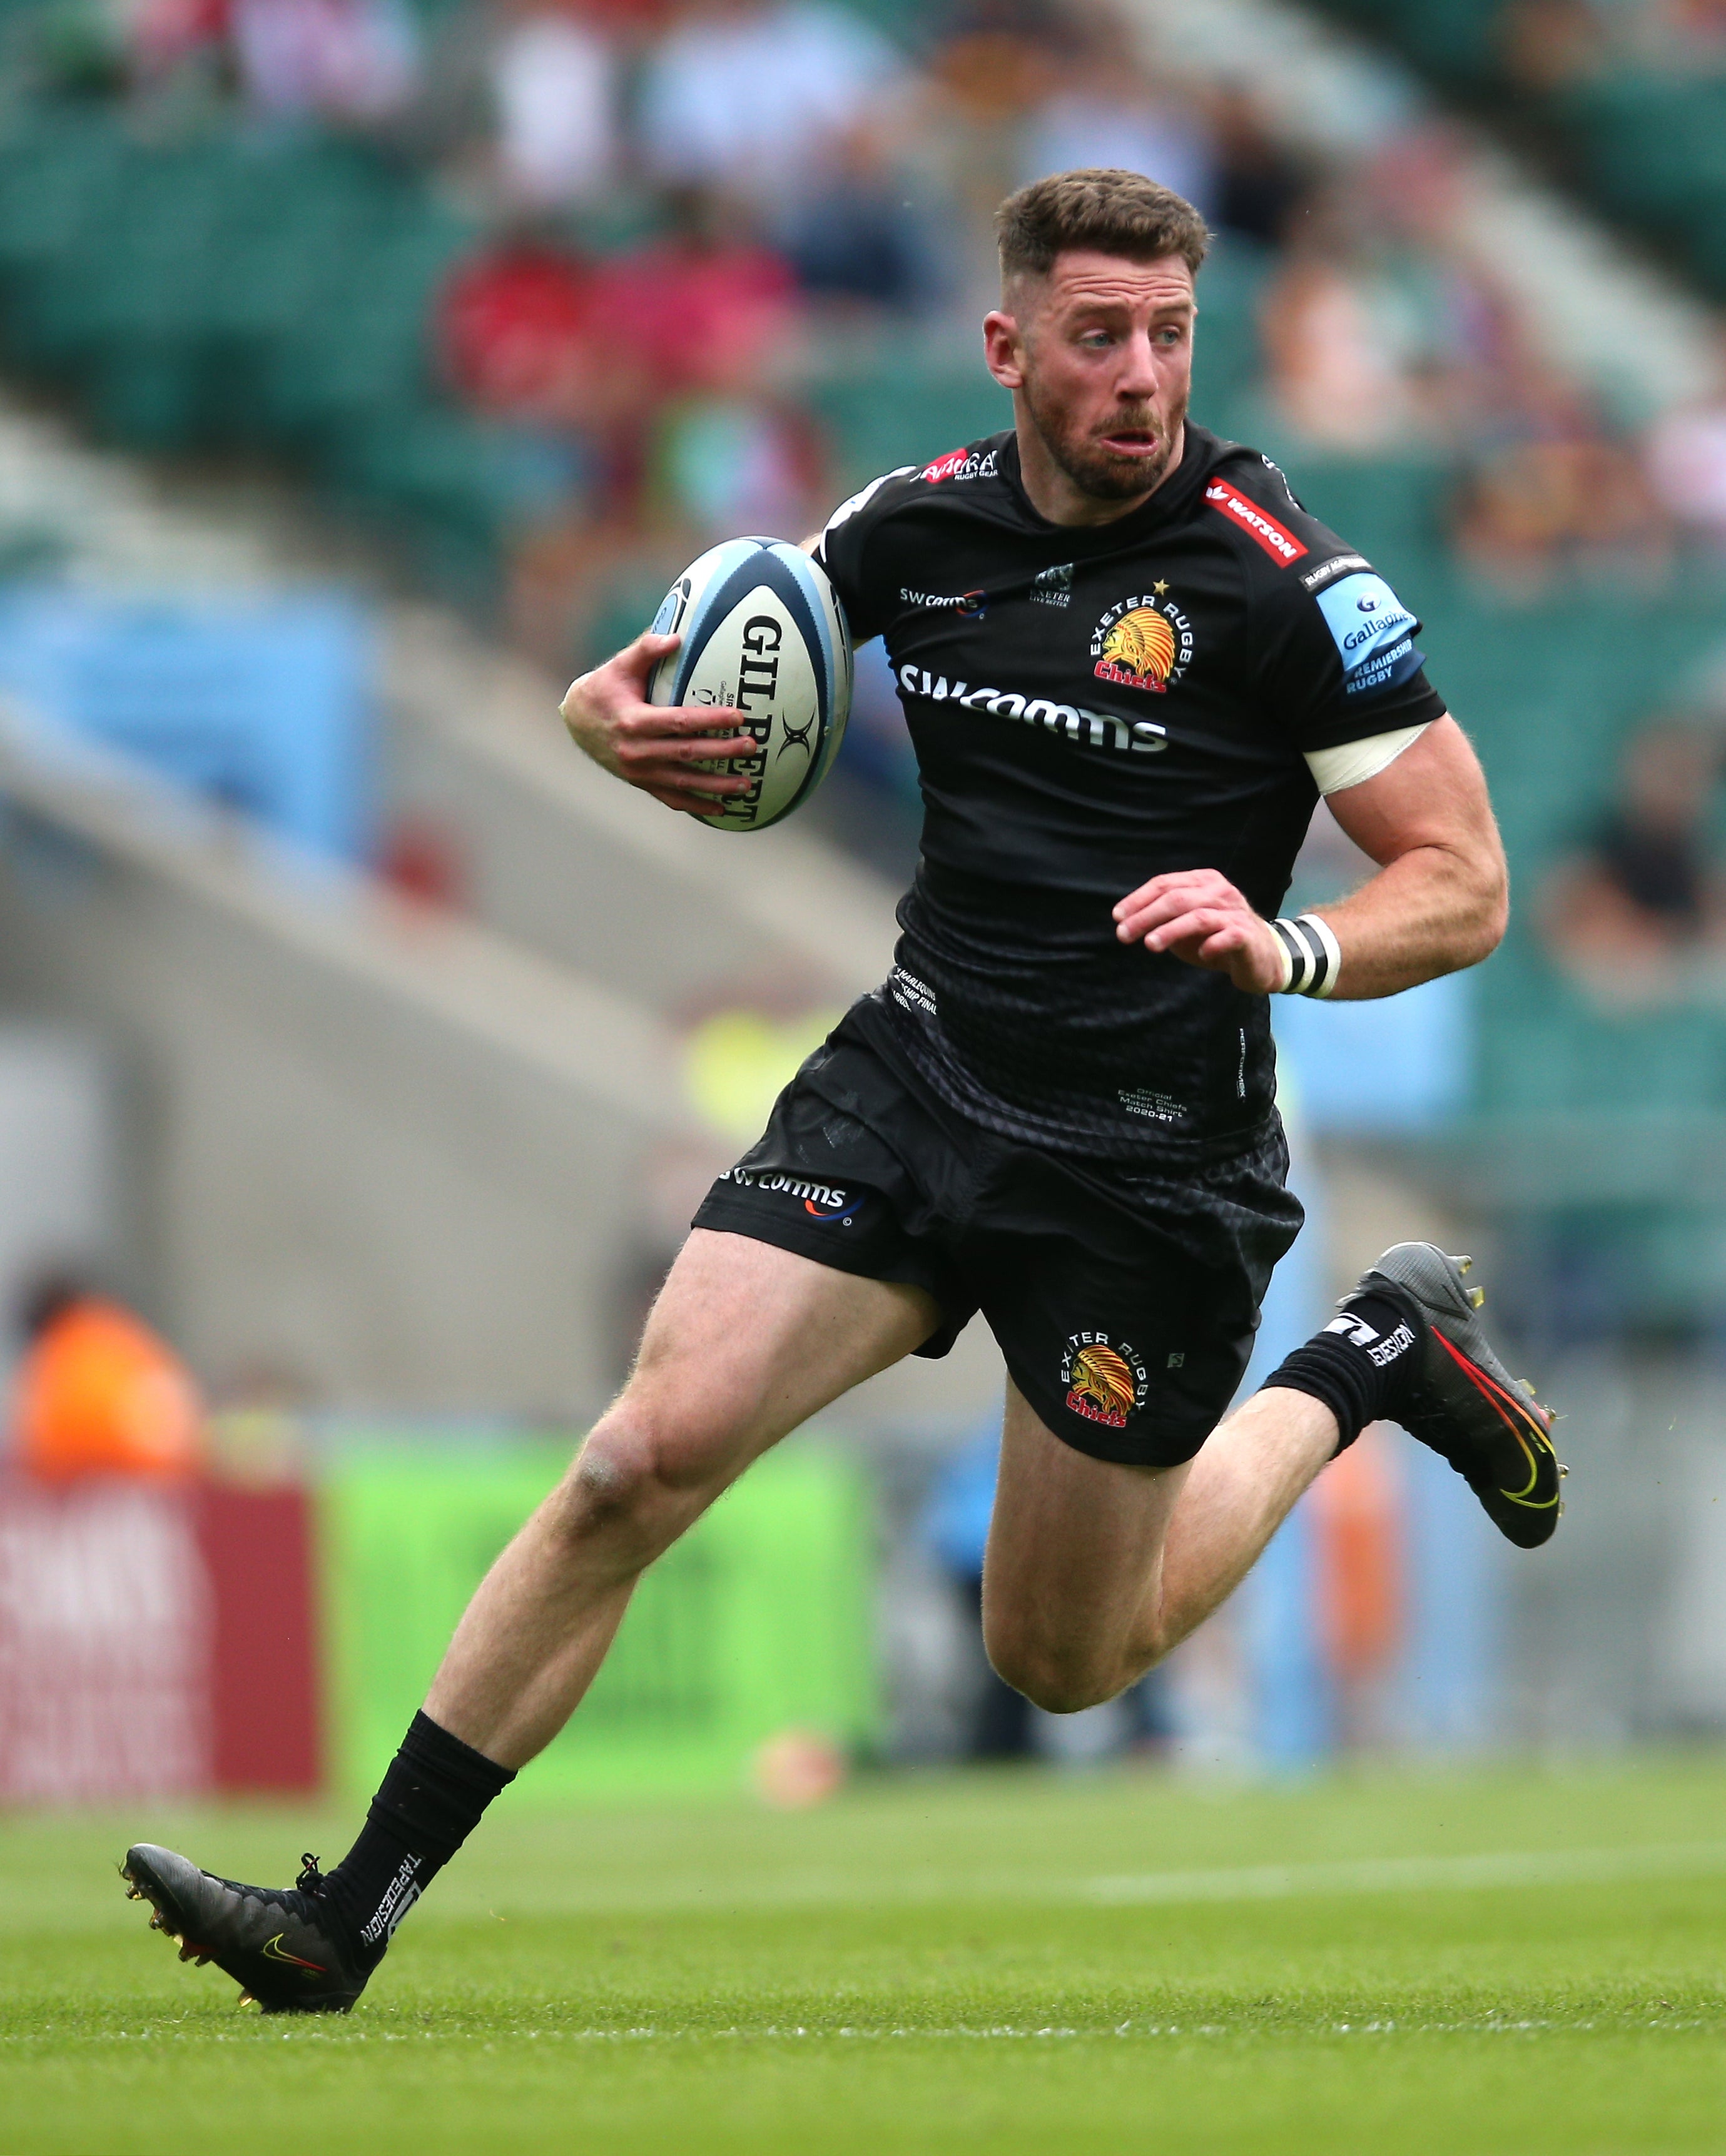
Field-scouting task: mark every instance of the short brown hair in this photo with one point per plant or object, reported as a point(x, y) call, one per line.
point(1109, 210)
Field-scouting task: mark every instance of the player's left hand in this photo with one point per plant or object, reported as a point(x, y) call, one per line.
point(1198, 916)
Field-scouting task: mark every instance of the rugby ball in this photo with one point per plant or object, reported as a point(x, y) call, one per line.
point(763, 631)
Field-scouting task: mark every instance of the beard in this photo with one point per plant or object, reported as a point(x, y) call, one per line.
point(1092, 466)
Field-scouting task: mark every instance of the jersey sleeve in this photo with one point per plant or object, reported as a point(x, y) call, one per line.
point(844, 552)
point(1335, 646)
point(1338, 655)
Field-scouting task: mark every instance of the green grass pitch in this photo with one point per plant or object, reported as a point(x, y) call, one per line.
point(999, 1963)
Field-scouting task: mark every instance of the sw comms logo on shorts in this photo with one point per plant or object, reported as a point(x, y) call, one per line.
point(822, 1201)
point(1145, 642)
point(1106, 1379)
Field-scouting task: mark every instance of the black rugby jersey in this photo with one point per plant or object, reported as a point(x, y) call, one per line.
point(1091, 707)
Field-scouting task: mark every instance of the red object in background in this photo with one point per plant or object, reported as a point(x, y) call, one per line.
point(155, 1640)
point(530, 332)
point(422, 859)
point(514, 329)
point(259, 1553)
point(699, 316)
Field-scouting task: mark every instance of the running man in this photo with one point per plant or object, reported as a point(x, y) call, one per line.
point(1131, 663)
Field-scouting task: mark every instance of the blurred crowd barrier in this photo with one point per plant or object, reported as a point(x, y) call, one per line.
point(156, 1639)
point(270, 1622)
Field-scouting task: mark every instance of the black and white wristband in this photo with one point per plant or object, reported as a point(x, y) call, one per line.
point(1312, 956)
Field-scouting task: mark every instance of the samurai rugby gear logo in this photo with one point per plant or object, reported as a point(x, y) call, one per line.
point(1105, 1379)
point(1145, 642)
point(961, 464)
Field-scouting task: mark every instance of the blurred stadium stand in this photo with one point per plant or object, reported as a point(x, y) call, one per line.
point(1627, 102)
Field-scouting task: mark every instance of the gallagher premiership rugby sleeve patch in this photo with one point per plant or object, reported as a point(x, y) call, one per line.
point(1373, 632)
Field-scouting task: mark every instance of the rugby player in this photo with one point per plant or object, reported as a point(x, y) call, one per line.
point(1131, 663)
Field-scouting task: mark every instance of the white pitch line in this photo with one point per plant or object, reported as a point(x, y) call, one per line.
point(1386, 1875)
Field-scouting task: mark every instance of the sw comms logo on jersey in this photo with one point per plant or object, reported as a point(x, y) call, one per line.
point(1145, 642)
point(1096, 729)
point(969, 606)
point(1106, 1379)
point(822, 1201)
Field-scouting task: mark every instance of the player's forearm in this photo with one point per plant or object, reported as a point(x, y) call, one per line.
point(1434, 909)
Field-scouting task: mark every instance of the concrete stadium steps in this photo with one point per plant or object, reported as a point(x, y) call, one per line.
point(569, 863)
point(383, 1152)
point(376, 1153)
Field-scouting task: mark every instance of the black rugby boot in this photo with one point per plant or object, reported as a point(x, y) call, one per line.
point(1460, 1399)
point(282, 1945)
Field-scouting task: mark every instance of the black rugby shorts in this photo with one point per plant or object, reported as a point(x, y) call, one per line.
point(1124, 1301)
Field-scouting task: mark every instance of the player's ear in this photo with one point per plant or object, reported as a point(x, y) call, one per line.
point(1003, 349)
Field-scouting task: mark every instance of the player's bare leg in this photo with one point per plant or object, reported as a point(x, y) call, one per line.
point(1095, 1570)
point(745, 1342)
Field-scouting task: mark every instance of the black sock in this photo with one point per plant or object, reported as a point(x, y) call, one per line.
point(428, 1805)
point(1361, 1365)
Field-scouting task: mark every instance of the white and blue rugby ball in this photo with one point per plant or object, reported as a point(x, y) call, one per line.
point(764, 631)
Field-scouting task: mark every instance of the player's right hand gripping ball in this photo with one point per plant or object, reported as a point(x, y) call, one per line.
point(763, 631)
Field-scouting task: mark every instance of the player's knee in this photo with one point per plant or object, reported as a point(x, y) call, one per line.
point(631, 1488)
point(1058, 1677)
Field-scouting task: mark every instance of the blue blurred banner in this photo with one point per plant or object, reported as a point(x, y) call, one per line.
point(263, 705)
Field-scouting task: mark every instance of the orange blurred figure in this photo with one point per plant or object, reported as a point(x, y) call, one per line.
point(1358, 1523)
point(97, 1392)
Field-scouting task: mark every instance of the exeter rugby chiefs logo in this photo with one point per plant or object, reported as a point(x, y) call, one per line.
point(1145, 642)
point(1105, 1379)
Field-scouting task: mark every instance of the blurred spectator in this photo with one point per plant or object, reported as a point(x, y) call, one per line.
point(996, 61)
point(722, 465)
point(1550, 44)
point(748, 96)
point(706, 306)
point(98, 1393)
point(348, 60)
point(554, 84)
point(1555, 494)
point(1357, 1516)
point(1686, 464)
point(1630, 912)
point(515, 330)
point(1259, 181)
point(1103, 111)
point(858, 235)
point(1341, 343)
point(170, 39)
point(530, 330)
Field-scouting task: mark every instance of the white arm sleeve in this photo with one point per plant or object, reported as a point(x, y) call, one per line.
point(1334, 768)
